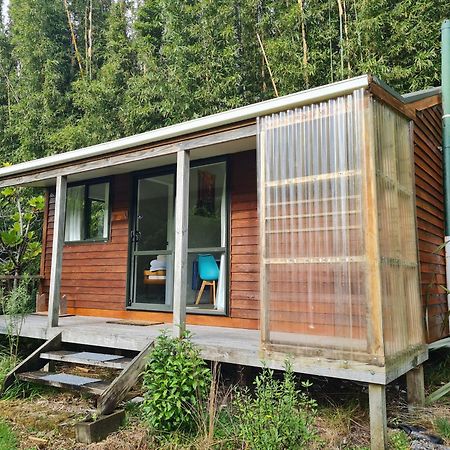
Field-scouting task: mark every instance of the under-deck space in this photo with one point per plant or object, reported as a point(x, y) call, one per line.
point(227, 345)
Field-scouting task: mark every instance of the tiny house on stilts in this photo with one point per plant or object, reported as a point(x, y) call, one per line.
point(309, 208)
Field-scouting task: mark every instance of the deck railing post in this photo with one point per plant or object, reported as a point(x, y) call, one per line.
point(181, 243)
point(57, 251)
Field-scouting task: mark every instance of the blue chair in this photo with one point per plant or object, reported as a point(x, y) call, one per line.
point(208, 271)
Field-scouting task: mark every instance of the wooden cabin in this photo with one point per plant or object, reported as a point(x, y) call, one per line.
point(321, 213)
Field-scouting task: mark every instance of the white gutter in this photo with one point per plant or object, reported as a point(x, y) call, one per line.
point(216, 120)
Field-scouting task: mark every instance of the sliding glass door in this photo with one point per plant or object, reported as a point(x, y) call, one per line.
point(153, 235)
point(152, 243)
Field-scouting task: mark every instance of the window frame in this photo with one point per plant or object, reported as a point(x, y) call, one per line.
point(87, 184)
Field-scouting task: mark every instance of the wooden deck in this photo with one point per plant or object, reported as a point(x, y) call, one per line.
point(228, 345)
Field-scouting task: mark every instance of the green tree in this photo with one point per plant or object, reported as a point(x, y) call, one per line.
point(7, 92)
point(98, 102)
point(143, 107)
point(20, 221)
point(41, 74)
point(401, 41)
point(200, 48)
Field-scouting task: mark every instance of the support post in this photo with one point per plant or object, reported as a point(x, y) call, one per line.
point(415, 387)
point(57, 251)
point(264, 324)
point(378, 420)
point(375, 336)
point(181, 243)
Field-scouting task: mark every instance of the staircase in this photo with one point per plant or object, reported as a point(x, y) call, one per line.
point(108, 392)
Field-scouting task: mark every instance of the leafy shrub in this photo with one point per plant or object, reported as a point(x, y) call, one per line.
point(398, 440)
point(176, 383)
point(277, 416)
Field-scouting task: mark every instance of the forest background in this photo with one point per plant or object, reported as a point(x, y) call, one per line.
point(78, 72)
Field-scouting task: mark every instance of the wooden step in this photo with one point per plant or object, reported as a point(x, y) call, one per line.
point(88, 359)
point(66, 381)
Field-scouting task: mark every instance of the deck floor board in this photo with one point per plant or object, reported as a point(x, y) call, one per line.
point(226, 345)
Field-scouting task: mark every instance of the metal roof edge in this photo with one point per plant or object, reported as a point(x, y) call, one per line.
point(420, 95)
point(252, 111)
point(388, 88)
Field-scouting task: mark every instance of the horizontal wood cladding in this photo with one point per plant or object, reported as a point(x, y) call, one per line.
point(244, 239)
point(94, 275)
point(430, 218)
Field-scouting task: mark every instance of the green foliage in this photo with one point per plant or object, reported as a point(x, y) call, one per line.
point(20, 216)
point(135, 66)
point(176, 382)
point(398, 440)
point(442, 426)
point(15, 305)
point(40, 75)
point(8, 440)
point(277, 416)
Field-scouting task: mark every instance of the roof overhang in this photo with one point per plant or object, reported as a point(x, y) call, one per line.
point(222, 133)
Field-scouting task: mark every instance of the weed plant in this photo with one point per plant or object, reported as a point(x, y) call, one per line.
point(176, 383)
point(398, 440)
point(442, 426)
point(277, 416)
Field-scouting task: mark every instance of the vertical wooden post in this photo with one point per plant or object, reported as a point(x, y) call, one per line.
point(264, 323)
point(181, 243)
point(57, 251)
point(415, 386)
point(378, 420)
point(374, 298)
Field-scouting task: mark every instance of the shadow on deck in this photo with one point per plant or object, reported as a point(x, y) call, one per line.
point(230, 345)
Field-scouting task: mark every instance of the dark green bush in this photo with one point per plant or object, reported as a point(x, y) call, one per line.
point(176, 384)
point(277, 416)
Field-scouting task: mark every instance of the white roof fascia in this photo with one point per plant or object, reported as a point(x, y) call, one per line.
point(298, 99)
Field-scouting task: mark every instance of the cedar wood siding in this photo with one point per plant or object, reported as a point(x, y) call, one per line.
point(430, 218)
point(94, 275)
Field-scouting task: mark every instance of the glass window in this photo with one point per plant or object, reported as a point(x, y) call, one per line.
point(87, 212)
point(207, 237)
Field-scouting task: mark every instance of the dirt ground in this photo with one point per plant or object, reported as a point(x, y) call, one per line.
point(46, 420)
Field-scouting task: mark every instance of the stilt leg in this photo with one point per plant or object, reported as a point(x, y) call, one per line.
point(378, 421)
point(415, 386)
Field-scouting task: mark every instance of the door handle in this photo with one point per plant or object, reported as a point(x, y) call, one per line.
point(135, 236)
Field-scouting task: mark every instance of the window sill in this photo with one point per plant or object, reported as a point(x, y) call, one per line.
point(87, 241)
point(189, 310)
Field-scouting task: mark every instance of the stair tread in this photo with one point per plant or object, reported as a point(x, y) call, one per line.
point(68, 381)
point(88, 358)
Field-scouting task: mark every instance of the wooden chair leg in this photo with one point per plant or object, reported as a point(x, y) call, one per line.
point(214, 293)
point(199, 296)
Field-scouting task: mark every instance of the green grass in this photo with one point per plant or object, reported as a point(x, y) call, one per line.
point(443, 427)
point(6, 364)
point(8, 440)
